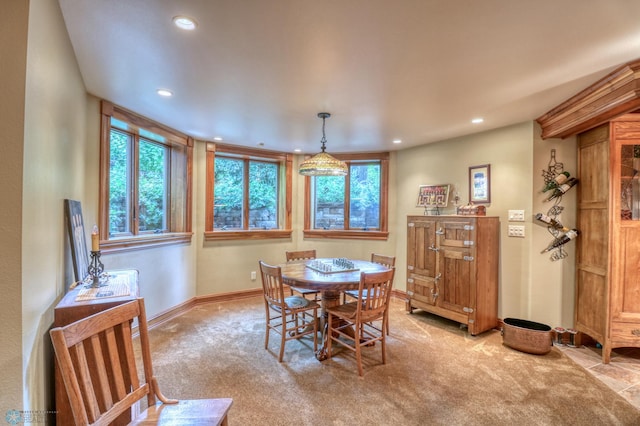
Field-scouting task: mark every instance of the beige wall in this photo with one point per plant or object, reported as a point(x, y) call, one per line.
point(550, 296)
point(509, 151)
point(531, 286)
point(14, 19)
point(225, 266)
point(58, 134)
point(167, 274)
point(55, 149)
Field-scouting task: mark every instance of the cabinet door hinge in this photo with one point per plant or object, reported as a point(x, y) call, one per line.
point(467, 243)
point(468, 258)
point(468, 227)
point(410, 267)
point(467, 310)
point(471, 321)
point(411, 225)
point(410, 293)
point(440, 232)
point(410, 280)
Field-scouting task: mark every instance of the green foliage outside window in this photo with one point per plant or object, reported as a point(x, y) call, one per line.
point(152, 185)
point(364, 198)
point(229, 194)
point(119, 183)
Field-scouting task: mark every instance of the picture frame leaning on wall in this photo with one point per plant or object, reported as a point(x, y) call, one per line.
point(77, 239)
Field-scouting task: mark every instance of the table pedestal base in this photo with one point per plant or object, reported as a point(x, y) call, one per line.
point(330, 299)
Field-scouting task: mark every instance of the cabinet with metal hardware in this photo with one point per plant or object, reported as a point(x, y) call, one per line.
point(452, 268)
point(607, 307)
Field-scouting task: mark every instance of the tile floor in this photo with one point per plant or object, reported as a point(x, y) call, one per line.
point(622, 374)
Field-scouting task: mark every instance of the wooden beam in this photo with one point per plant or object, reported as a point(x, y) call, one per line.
point(616, 94)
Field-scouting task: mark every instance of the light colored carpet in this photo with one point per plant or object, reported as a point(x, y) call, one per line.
point(436, 374)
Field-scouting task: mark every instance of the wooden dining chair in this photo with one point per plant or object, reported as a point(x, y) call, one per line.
point(389, 262)
point(293, 256)
point(352, 324)
point(97, 363)
point(292, 317)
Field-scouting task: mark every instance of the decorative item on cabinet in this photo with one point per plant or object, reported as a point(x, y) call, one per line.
point(559, 181)
point(471, 209)
point(433, 197)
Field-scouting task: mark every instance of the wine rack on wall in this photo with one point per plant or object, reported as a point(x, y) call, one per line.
point(557, 182)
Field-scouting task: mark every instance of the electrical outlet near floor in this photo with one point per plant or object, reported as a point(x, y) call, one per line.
point(253, 276)
point(516, 231)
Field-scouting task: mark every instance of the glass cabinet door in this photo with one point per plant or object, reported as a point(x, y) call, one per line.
point(629, 182)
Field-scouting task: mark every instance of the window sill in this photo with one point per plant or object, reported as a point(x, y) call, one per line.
point(347, 235)
point(247, 235)
point(117, 245)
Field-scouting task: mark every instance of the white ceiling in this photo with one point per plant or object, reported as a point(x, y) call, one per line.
point(258, 71)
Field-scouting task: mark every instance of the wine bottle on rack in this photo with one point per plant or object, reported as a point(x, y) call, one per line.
point(562, 189)
point(556, 182)
point(562, 240)
point(549, 221)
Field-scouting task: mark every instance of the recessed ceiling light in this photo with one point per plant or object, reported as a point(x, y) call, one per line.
point(217, 138)
point(185, 23)
point(164, 92)
point(477, 120)
point(397, 141)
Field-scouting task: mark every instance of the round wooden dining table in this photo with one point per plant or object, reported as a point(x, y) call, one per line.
point(330, 284)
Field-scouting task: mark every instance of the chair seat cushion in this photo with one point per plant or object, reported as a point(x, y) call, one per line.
point(304, 290)
point(296, 302)
point(186, 413)
point(356, 293)
point(352, 293)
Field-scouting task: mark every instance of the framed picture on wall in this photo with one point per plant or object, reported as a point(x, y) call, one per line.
point(433, 196)
point(480, 184)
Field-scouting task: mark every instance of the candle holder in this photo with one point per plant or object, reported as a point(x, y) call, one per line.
point(95, 268)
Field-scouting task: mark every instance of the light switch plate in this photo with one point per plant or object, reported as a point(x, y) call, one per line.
point(516, 231)
point(516, 215)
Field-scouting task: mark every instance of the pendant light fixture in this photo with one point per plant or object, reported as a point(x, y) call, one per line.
point(323, 164)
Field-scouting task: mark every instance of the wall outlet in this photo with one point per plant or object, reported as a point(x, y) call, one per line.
point(516, 231)
point(516, 215)
point(253, 276)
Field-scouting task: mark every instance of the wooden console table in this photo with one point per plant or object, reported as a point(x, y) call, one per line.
point(82, 302)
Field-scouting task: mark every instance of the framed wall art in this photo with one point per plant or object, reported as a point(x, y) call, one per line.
point(433, 196)
point(480, 184)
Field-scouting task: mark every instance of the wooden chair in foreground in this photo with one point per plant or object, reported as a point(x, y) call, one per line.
point(303, 255)
point(359, 316)
point(98, 366)
point(389, 262)
point(292, 317)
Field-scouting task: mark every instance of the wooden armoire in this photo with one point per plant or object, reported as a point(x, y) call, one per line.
point(608, 256)
point(606, 119)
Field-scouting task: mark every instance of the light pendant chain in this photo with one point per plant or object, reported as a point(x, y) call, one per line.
point(324, 139)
